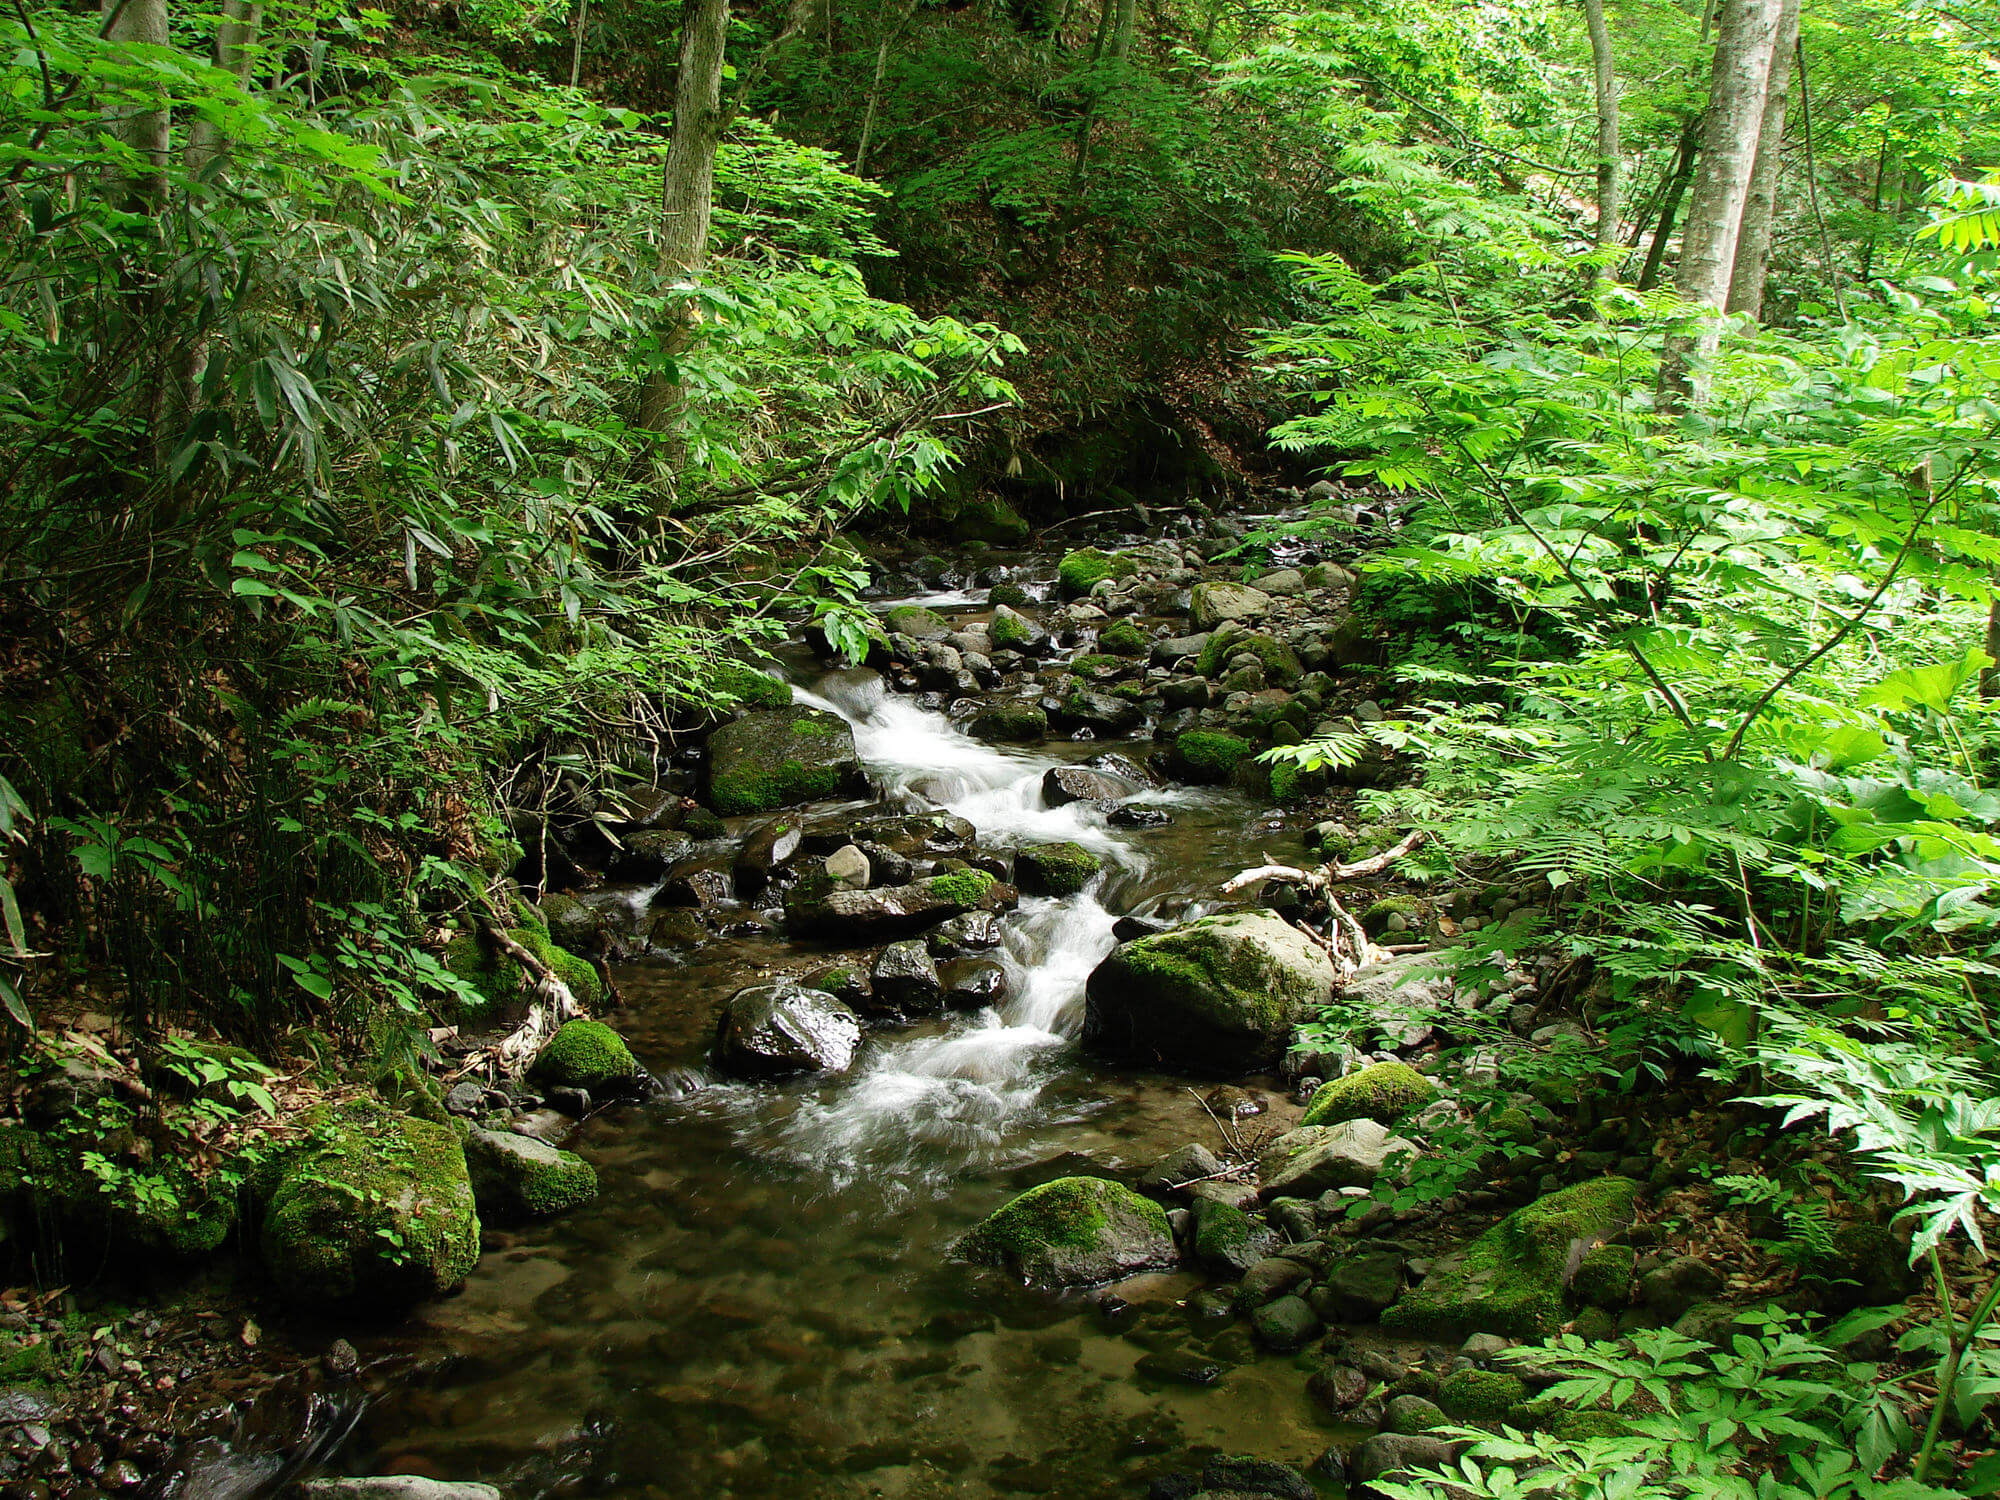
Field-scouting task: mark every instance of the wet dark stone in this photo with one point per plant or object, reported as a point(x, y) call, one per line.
point(1132, 815)
point(974, 984)
point(781, 1028)
point(1257, 1476)
point(1180, 1367)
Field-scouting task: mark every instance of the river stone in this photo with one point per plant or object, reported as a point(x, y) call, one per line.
point(1074, 1231)
point(1360, 1286)
point(974, 984)
point(398, 1487)
point(586, 1055)
point(1670, 1290)
point(772, 1029)
point(1286, 1324)
point(375, 1209)
point(817, 908)
point(1256, 1476)
point(974, 932)
point(1062, 785)
point(765, 852)
point(1388, 1453)
point(1314, 1159)
point(1218, 995)
point(648, 854)
point(1271, 1277)
point(848, 868)
point(1169, 1176)
point(1511, 1279)
point(1101, 713)
point(1055, 869)
point(907, 834)
point(1013, 631)
point(1010, 722)
point(905, 979)
point(1214, 604)
point(516, 1178)
point(1228, 1241)
point(1399, 996)
point(1177, 649)
point(1282, 583)
point(778, 757)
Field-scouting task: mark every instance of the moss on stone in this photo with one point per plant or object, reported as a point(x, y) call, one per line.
point(1223, 1228)
point(497, 978)
point(1082, 570)
point(1207, 756)
point(1384, 1092)
point(1009, 632)
point(517, 1178)
point(961, 887)
point(1010, 594)
point(1095, 665)
point(1604, 1277)
point(1123, 638)
point(1510, 1280)
point(1070, 1213)
point(1584, 1426)
point(748, 686)
point(1480, 1395)
point(1375, 918)
point(753, 788)
point(1055, 869)
point(1012, 721)
point(1218, 980)
point(1280, 662)
point(587, 1055)
point(989, 518)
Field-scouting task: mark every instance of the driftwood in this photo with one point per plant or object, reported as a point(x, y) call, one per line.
point(550, 1004)
point(1375, 864)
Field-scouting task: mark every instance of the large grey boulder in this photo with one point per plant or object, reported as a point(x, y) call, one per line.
point(779, 757)
point(774, 1029)
point(1218, 995)
point(1315, 1159)
point(1218, 603)
point(1074, 1231)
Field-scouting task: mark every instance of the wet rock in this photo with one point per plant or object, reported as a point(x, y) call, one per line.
point(1339, 1387)
point(848, 868)
point(1055, 869)
point(764, 853)
point(885, 865)
point(1170, 1175)
point(1283, 583)
point(1314, 1159)
point(1383, 1092)
point(1388, 1453)
point(702, 887)
point(1074, 1231)
point(647, 855)
point(1214, 604)
point(1480, 1395)
point(1011, 723)
point(675, 930)
point(515, 1178)
point(1269, 1278)
point(1360, 1286)
point(905, 979)
point(846, 983)
point(1013, 631)
point(1670, 1290)
point(917, 622)
point(1207, 757)
point(1257, 1476)
point(974, 984)
point(775, 1029)
point(586, 1055)
point(816, 908)
point(1284, 1325)
point(777, 757)
point(1176, 649)
point(466, 1098)
point(911, 835)
point(398, 1487)
point(1101, 713)
point(974, 932)
point(1062, 785)
point(1228, 1241)
point(1133, 815)
point(375, 1208)
point(1180, 1367)
point(1407, 1416)
point(1219, 994)
point(1511, 1279)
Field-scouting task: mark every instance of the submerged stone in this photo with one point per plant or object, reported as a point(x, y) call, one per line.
point(1074, 1231)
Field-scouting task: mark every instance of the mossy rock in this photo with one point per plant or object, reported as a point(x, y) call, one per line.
point(916, 621)
point(779, 757)
point(1207, 757)
point(1082, 570)
point(989, 518)
point(44, 1179)
point(1509, 1281)
point(1123, 638)
point(749, 686)
point(967, 887)
point(586, 1055)
point(1218, 995)
point(1375, 916)
point(1010, 722)
point(1010, 594)
point(1055, 869)
point(1604, 1277)
point(1586, 1426)
point(1384, 1092)
point(1074, 1231)
point(1012, 632)
point(1280, 663)
point(497, 979)
point(1228, 1241)
point(375, 1210)
point(1480, 1395)
point(516, 1178)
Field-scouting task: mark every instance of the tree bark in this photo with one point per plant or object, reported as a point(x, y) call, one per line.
point(1736, 97)
point(1753, 243)
point(687, 203)
point(235, 52)
point(875, 86)
point(1610, 155)
point(1670, 202)
point(1116, 24)
point(576, 46)
point(145, 130)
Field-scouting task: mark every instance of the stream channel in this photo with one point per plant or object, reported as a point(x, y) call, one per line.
point(763, 1300)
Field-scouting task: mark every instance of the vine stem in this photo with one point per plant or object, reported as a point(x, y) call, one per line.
point(1948, 1376)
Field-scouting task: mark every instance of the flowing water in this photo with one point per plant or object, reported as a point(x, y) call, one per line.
point(763, 1300)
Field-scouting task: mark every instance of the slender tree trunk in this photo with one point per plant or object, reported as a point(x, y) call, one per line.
point(686, 203)
point(576, 46)
point(1670, 202)
point(1736, 97)
point(1115, 27)
point(144, 129)
point(235, 52)
point(875, 87)
point(1610, 155)
point(1812, 181)
point(1753, 243)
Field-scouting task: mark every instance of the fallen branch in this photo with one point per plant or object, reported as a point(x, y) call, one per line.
point(1273, 872)
point(1365, 952)
point(551, 1003)
point(1375, 864)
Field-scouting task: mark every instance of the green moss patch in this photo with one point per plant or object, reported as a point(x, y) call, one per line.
point(587, 1055)
point(1123, 638)
point(961, 887)
point(1280, 662)
point(1383, 1092)
point(1082, 570)
point(1207, 756)
point(1055, 869)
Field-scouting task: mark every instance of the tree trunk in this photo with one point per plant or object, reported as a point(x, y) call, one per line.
point(1115, 26)
point(235, 52)
point(145, 130)
point(1753, 244)
point(576, 46)
point(686, 203)
point(1736, 98)
point(1670, 203)
point(1610, 155)
point(875, 87)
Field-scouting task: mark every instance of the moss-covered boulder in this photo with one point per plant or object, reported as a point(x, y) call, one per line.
point(989, 518)
point(745, 686)
point(1207, 757)
point(816, 907)
point(780, 757)
point(1510, 1280)
point(1055, 869)
point(1480, 1395)
point(496, 982)
point(586, 1055)
point(1218, 995)
point(1123, 638)
point(1082, 570)
point(1222, 603)
point(516, 1178)
point(1279, 663)
point(1228, 1241)
point(1604, 1277)
point(375, 1209)
point(1010, 722)
point(1385, 1092)
point(1075, 1231)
